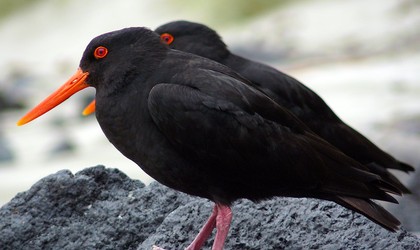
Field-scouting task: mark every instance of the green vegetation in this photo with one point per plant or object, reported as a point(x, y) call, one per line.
point(219, 12)
point(8, 7)
point(227, 11)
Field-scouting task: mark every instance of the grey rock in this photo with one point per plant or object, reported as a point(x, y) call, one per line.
point(100, 208)
point(6, 153)
point(14, 89)
point(96, 208)
point(8, 102)
point(282, 223)
point(64, 146)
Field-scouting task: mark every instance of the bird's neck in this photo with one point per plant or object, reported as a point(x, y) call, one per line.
point(235, 62)
point(117, 113)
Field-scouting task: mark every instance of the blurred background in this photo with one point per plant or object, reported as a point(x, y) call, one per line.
point(361, 56)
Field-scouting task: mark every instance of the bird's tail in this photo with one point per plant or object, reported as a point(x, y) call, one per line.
point(388, 177)
point(405, 167)
point(371, 210)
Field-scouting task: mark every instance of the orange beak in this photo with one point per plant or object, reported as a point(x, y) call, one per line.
point(89, 108)
point(76, 83)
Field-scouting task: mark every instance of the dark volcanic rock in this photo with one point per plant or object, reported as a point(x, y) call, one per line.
point(96, 208)
point(100, 208)
point(282, 223)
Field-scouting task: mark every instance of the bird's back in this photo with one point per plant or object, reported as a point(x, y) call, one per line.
point(317, 115)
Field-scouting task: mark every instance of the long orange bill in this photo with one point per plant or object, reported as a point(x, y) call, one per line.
point(90, 108)
point(76, 83)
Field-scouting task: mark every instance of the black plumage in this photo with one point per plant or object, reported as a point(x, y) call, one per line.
point(197, 126)
point(290, 93)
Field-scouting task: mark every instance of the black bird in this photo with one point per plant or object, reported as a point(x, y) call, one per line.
point(288, 92)
point(198, 127)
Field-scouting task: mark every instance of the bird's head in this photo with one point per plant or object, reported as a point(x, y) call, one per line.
point(193, 38)
point(109, 62)
point(189, 37)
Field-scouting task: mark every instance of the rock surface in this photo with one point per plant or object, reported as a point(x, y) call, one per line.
point(100, 208)
point(6, 153)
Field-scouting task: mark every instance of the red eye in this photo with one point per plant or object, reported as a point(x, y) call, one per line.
point(100, 52)
point(166, 38)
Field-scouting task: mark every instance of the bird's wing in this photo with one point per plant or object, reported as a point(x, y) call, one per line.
point(312, 109)
point(234, 128)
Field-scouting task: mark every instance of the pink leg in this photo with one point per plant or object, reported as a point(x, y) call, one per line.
point(219, 218)
point(223, 219)
point(205, 231)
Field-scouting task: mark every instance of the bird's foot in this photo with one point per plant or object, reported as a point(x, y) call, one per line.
point(219, 218)
point(205, 231)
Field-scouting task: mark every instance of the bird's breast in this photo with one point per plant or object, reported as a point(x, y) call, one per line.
point(130, 128)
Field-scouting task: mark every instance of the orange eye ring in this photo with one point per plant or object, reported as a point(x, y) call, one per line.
point(100, 52)
point(166, 38)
